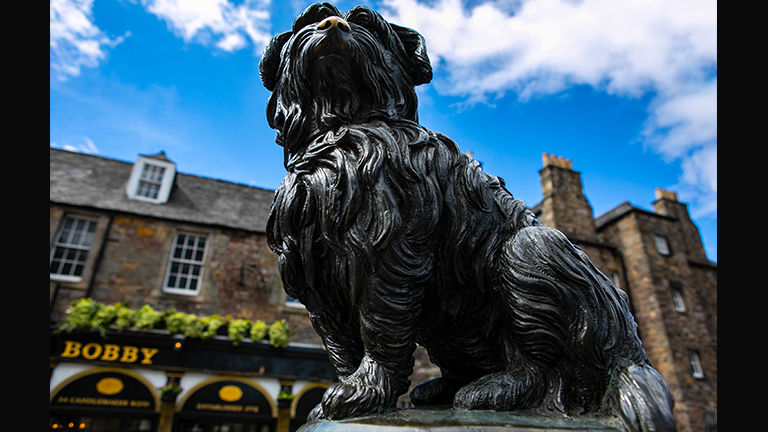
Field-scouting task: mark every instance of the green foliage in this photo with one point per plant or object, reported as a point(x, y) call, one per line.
point(192, 326)
point(174, 321)
point(113, 316)
point(85, 314)
point(278, 334)
point(147, 318)
point(259, 330)
point(211, 325)
point(79, 315)
point(172, 388)
point(104, 317)
point(238, 329)
point(125, 317)
point(285, 395)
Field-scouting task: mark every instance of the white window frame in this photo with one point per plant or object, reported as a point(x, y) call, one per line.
point(149, 183)
point(67, 246)
point(182, 261)
point(662, 244)
point(678, 299)
point(132, 188)
point(696, 370)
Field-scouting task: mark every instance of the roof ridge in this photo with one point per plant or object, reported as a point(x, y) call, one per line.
point(58, 149)
point(177, 172)
point(96, 181)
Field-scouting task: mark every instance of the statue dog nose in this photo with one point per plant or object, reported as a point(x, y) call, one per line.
point(333, 21)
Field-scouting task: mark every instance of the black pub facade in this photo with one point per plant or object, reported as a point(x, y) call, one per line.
point(153, 381)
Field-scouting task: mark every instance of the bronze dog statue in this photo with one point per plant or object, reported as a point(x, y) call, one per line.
point(390, 237)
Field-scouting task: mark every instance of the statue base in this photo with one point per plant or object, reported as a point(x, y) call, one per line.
point(449, 420)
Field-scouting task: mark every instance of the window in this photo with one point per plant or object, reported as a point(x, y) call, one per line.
point(70, 248)
point(150, 181)
point(661, 244)
point(292, 302)
point(696, 369)
point(185, 265)
point(677, 297)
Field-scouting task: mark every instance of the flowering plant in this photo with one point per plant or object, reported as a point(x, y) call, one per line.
point(87, 314)
point(284, 395)
point(171, 388)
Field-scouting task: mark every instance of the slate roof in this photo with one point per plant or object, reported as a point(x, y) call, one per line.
point(621, 210)
point(614, 213)
point(79, 179)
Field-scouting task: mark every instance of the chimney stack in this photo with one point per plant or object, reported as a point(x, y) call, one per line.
point(557, 161)
point(564, 205)
point(665, 194)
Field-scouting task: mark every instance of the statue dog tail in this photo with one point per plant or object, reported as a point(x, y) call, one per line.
point(642, 400)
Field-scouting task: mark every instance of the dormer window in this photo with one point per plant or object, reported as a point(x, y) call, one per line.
point(151, 178)
point(150, 181)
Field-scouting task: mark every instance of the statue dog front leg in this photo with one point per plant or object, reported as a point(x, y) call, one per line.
point(388, 313)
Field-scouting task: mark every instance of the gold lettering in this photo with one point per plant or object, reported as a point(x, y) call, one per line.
point(91, 351)
point(71, 349)
point(148, 353)
point(98, 401)
point(130, 354)
point(110, 352)
point(219, 407)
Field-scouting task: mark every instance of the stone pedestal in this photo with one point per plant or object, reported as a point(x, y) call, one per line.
point(447, 420)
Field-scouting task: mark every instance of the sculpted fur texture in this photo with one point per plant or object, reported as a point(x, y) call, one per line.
point(390, 236)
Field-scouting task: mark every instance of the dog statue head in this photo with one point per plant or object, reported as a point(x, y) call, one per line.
point(335, 68)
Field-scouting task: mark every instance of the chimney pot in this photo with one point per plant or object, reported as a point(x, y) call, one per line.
point(665, 194)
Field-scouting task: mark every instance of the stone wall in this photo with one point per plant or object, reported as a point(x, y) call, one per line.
point(670, 335)
point(625, 246)
point(239, 277)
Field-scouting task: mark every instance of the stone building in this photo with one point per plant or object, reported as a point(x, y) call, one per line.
point(140, 234)
point(657, 257)
point(150, 235)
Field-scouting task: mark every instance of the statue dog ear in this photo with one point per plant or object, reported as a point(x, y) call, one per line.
point(269, 66)
point(416, 49)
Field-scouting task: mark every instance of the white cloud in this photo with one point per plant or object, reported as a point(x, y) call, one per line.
point(75, 41)
point(628, 47)
point(86, 147)
point(699, 180)
point(216, 22)
point(684, 120)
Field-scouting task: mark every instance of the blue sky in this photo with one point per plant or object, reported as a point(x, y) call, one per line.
point(625, 89)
